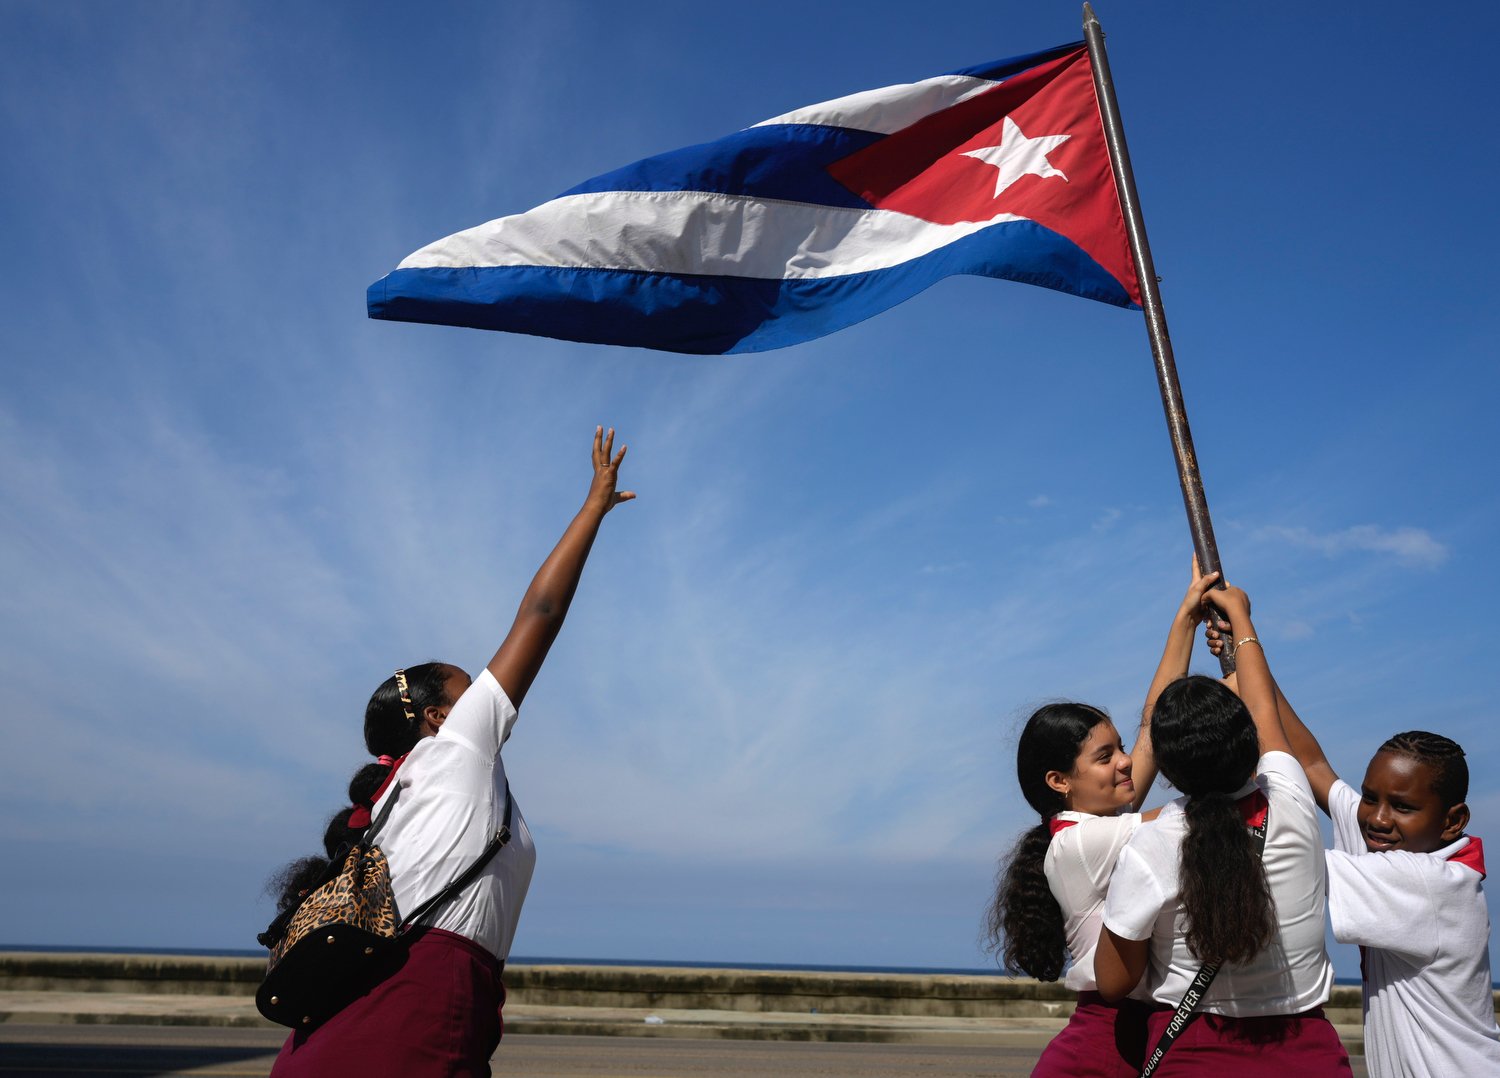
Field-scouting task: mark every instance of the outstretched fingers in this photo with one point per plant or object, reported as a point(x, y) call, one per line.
point(607, 462)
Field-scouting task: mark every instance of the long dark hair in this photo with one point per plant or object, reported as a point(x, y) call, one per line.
point(388, 732)
point(1206, 746)
point(1024, 924)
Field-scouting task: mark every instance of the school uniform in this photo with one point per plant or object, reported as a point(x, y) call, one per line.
point(1100, 1039)
point(1423, 927)
point(1271, 1004)
point(440, 1013)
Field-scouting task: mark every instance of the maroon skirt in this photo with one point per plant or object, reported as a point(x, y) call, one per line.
point(1101, 1040)
point(1284, 1045)
point(438, 1015)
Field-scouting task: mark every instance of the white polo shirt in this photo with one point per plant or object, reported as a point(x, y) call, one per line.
point(1424, 925)
point(452, 802)
point(1078, 864)
point(1292, 974)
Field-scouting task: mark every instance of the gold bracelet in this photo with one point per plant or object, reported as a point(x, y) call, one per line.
point(1249, 640)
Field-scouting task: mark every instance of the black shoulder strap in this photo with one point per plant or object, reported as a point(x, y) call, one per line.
point(1187, 1010)
point(277, 928)
point(502, 837)
point(379, 821)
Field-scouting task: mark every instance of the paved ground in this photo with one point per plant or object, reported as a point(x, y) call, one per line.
point(49, 1051)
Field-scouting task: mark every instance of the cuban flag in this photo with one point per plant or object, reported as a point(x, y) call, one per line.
point(803, 224)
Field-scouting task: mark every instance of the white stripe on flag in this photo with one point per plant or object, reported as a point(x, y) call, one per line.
point(697, 232)
point(890, 108)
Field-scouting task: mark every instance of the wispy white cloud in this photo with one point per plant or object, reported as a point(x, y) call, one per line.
point(1408, 545)
point(941, 568)
point(1294, 629)
point(1107, 519)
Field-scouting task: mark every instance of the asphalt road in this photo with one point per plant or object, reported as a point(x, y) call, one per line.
point(79, 1051)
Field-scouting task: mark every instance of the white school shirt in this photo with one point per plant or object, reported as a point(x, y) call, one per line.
point(1078, 864)
point(1292, 974)
point(452, 802)
point(1425, 928)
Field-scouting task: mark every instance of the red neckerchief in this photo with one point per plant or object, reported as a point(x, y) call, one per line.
point(1471, 856)
point(360, 817)
point(1253, 808)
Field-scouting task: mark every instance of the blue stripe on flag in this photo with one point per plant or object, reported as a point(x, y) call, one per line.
point(718, 315)
point(1004, 69)
point(783, 161)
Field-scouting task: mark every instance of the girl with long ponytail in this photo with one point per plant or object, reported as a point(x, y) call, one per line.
point(389, 736)
point(1194, 889)
point(1044, 919)
point(440, 775)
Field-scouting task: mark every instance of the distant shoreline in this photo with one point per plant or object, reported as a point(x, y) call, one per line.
point(553, 960)
point(530, 960)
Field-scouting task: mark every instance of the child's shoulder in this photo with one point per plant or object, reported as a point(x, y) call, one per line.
point(1079, 828)
point(1440, 874)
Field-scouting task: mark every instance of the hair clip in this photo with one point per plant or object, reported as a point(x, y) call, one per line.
point(405, 695)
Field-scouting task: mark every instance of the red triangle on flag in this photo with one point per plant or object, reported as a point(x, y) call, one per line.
point(926, 170)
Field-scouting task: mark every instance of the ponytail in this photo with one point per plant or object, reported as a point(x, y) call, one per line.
point(1205, 744)
point(292, 883)
point(1024, 925)
point(392, 728)
point(1225, 895)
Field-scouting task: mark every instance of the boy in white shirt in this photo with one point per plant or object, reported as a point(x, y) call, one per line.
point(1405, 883)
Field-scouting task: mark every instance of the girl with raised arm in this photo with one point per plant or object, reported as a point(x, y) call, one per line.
point(1405, 883)
point(1192, 890)
point(1074, 772)
point(438, 735)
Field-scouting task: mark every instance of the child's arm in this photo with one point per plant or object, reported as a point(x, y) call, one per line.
point(546, 602)
point(1174, 664)
point(1387, 901)
point(1256, 687)
point(1119, 964)
point(1305, 747)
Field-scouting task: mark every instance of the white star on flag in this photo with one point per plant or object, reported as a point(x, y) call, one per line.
point(1018, 156)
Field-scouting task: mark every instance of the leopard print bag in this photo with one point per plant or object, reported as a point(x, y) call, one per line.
point(340, 941)
point(346, 935)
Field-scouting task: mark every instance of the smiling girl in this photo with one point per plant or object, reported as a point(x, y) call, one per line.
point(1074, 771)
point(1405, 883)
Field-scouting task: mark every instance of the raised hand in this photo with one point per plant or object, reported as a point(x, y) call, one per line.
point(1193, 608)
point(1215, 639)
point(546, 601)
point(1232, 609)
point(602, 492)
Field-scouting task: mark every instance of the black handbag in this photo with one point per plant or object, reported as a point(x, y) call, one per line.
point(346, 936)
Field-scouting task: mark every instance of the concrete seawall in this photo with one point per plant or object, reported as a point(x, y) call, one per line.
point(630, 1000)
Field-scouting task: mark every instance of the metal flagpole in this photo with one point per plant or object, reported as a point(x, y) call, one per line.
point(1156, 319)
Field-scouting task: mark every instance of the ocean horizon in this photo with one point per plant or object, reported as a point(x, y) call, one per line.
point(542, 960)
point(554, 960)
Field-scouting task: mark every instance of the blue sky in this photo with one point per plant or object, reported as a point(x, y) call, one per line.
point(779, 725)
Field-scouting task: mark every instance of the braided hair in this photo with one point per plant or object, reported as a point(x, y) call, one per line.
point(1024, 925)
point(392, 727)
point(1445, 758)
